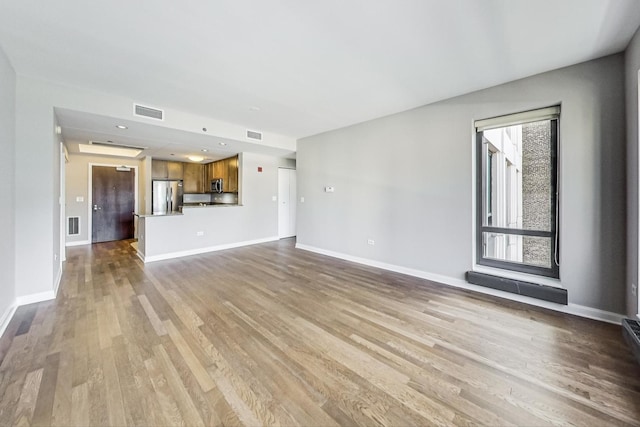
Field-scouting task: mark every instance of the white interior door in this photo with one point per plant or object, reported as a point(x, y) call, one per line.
point(286, 203)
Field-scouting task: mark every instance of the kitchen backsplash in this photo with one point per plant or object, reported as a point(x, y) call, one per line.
point(230, 198)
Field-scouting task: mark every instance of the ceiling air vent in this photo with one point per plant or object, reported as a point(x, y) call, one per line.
point(251, 134)
point(148, 112)
point(113, 144)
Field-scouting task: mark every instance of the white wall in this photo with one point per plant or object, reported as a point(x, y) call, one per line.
point(406, 181)
point(256, 219)
point(7, 186)
point(77, 180)
point(632, 65)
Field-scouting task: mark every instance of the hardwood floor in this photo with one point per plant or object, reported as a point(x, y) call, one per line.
point(271, 335)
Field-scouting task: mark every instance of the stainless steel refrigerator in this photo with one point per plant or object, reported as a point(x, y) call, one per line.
point(167, 196)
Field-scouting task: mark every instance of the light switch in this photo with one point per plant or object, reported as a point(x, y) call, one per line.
point(301, 199)
point(79, 199)
point(274, 198)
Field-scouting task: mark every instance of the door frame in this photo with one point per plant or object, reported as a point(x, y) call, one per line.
point(295, 200)
point(90, 196)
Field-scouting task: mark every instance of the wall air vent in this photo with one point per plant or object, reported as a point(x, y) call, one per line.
point(73, 225)
point(148, 112)
point(251, 134)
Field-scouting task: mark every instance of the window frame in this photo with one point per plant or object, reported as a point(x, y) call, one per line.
point(553, 234)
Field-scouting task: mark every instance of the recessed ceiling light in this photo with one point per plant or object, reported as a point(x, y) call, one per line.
point(222, 143)
point(195, 158)
point(204, 150)
point(121, 127)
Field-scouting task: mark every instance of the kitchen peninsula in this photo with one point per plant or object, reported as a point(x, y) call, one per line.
point(211, 227)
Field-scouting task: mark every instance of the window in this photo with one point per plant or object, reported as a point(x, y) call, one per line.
point(517, 208)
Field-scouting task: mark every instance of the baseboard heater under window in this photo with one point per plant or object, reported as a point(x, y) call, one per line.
point(533, 290)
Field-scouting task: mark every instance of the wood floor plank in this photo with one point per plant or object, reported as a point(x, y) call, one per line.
point(80, 405)
point(272, 335)
point(46, 394)
point(26, 404)
point(187, 408)
point(115, 403)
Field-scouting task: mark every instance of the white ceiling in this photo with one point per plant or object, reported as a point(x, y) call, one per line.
point(158, 142)
point(310, 66)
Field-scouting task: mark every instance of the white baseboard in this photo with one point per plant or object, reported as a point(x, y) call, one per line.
point(578, 310)
point(78, 243)
point(6, 317)
point(29, 299)
point(197, 251)
point(33, 298)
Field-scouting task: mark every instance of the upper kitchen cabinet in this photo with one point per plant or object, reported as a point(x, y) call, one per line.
point(227, 169)
point(232, 175)
point(194, 181)
point(219, 170)
point(162, 169)
point(159, 169)
point(175, 170)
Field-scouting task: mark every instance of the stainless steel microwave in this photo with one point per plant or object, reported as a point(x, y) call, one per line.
point(216, 185)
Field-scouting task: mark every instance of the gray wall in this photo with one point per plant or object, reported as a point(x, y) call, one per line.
point(7, 183)
point(406, 181)
point(632, 65)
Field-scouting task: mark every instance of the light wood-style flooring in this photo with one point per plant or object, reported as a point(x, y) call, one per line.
point(271, 335)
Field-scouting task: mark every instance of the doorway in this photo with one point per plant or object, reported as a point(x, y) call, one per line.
point(113, 199)
point(286, 203)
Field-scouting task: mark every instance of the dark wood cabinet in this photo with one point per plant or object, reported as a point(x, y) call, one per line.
point(232, 174)
point(175, 170)
point(194, 178)
point(159, 169)
point(163, 169)
point(197, 177)
point(227, 169)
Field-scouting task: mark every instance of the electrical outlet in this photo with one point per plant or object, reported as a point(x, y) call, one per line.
point(634, 289)
point(200, 233)
point(371, 242)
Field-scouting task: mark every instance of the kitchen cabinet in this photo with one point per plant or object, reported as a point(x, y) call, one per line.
point(194, 181)
point(219, 170)
point(175, 170)
point(232, 175)
point(162, 169)
point(159, 169)
point(227, 169)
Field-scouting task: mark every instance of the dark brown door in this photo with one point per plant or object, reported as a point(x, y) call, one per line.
point(113, 204)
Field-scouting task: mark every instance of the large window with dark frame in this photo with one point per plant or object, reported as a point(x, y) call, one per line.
point(517, 192)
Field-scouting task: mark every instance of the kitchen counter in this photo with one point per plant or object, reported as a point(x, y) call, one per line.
point(208, 205)
point(205, 228)
point(158, 215)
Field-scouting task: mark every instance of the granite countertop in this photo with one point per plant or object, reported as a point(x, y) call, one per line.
point(156, 215)
point(208, 205)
